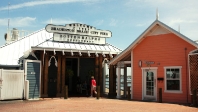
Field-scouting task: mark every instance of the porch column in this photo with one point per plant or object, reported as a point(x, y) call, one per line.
point(46, 76)
point(63, 74)
point(58, 93)
point(125, 80)
point(42, 72)
point(100, 78)
point(118, 83)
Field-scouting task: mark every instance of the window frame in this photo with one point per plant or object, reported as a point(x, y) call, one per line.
point(180, 79)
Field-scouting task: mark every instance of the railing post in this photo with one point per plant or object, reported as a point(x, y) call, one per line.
point(98, 92)
point(66, 92)
point(160, 95)
point(194, 97)
point(129, 93)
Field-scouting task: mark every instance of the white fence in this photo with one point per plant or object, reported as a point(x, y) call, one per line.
point(11, 84)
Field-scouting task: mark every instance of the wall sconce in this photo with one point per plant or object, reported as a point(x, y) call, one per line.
point(63, 52)
point(111, 55)
point(103, 55)
point(96, 54)
point(79, 53)
point(89, 54)
point(54, 52)
point(72, 53)
point(140, 63)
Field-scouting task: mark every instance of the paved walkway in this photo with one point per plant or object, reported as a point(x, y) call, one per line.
point(83, 104)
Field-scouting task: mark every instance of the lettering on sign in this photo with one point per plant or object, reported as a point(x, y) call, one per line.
point(78, 33)
point(148, 63)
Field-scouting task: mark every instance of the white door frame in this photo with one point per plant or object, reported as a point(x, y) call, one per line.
point(155, 80)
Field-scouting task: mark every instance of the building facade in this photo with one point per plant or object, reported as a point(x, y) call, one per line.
point(159, 60)
point(57, 56)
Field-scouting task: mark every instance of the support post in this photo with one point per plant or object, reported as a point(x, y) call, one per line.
point(194, 97)
point(160, 95)
point(66, 92)
point(129, 93)
point(98, 92)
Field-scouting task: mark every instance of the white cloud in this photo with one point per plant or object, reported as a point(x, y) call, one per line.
point(18, 22)
point(99, 22)
point(58, 21)
point(43, 2)
point(113, 22)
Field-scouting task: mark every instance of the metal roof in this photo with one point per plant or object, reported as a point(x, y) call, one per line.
point(40, 40)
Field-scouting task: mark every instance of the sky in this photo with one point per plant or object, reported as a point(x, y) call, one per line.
point(126, 19)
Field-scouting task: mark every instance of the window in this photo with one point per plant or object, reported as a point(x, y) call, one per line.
point(173, 79)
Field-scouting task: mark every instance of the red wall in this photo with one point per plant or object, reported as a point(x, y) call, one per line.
point(167, 50)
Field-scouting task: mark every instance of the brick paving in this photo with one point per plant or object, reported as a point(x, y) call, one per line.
point(84, 104)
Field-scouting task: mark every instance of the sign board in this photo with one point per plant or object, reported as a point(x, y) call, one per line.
point(78, 33)
point(78, 39)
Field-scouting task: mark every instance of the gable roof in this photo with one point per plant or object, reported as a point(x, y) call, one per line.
point(127, 51)
point(40, 40)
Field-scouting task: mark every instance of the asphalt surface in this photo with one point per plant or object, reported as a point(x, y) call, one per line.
point(88, 104)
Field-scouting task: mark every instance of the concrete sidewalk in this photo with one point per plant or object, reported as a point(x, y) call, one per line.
point(87, 104)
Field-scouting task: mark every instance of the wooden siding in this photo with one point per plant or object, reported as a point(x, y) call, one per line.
point(164, 50)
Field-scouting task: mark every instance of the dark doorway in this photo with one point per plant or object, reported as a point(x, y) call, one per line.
point(52, 77)
point(72, 66)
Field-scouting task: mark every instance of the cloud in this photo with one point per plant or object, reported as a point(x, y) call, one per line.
point(18, 22)
point(99, 22)
point(58, 21)
point(113, 22)
point(43, 2)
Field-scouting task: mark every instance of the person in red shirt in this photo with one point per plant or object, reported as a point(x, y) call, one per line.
point(93, 86)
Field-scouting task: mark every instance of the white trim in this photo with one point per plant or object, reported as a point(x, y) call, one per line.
point(155, 80)
point(118, 83)
point(165, 79)
point(131, 74)
point(149, 68)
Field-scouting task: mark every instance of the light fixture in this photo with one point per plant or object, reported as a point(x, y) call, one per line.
point(72, 53)
point(79, 53)
point(111, 55)
point(89, 54)
point(63, 52)
point(96, 54)
point(103, 55)
point(54, 52)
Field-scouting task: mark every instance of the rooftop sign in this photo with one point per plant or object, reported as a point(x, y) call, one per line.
point(78, 33)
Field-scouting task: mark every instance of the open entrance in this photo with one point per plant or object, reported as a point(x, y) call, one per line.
point(52, 77)
point(79, 72)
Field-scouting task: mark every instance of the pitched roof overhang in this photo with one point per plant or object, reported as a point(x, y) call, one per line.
point(127, 51)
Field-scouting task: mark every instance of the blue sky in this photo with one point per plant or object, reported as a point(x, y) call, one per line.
point(126, 19)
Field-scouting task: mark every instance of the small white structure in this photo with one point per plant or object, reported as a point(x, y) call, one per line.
point(11, 84)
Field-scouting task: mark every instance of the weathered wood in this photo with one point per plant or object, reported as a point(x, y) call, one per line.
point(59, 74)
point(42, 72)
point(96, 69)
point(46, 75)
point(100, 79)
point(160, 95)
point(66, 92)
point(98, 92)
point(194, 97)
point(63, 74)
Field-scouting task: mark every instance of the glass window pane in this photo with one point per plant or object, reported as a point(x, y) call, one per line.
point(173, 85)
point(167, 73)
